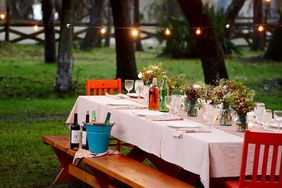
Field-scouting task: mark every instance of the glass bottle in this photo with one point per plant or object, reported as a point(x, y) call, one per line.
point(84, 133)
point(74, 133)
point(93, 117)
point(107, 120)
point(154, 96)
point(164, 93)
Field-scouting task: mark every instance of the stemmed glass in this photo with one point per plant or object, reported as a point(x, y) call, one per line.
point(212, 113)
point(138, 86)
point(128, 84)
point(278, 118)
point(259, 111)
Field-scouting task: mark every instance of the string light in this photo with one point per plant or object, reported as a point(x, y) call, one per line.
point(227, 26)
point(2, 16)
point(260, 28)
point(167, 31)
point(103, 31)
point(268, 1)
point(198, 31)
point(35, 27)
point(134, 32)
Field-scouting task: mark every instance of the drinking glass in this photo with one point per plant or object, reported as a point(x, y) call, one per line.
point(277, 114)
point(128, 84)
point(259, 111)
point(145, 93)
point(266, 119)
point(212, 113)
point(175, 103)
point(139, 84)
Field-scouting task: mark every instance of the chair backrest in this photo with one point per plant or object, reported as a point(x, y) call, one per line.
point(272, 144)
point(101, 87)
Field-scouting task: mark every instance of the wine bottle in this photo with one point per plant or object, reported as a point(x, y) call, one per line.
point(107, 121)
point(74, 133)
point(84, 133)
point(93, 116)
point(154, 96)
point(164, 93)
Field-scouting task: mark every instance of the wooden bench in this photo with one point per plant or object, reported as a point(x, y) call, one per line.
point(106, 170)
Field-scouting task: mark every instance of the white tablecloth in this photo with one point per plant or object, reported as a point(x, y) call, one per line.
point(213, 154)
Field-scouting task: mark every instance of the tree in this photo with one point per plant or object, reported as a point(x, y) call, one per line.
point(275, 45)
point(49, 32)
point(233, 10)
point(209, 48)
point(65, 60)
point(92, 37)
point(125, 56)
point(136, 20)
point(258, 37)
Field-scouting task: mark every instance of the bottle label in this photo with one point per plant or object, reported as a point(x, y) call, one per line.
point(84, 135)
point(75, 136)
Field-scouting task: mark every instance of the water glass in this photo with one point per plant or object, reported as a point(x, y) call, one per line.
point(128, 84)
point(277, 114)
point(145, 93)
point(175, 103)
point(212, 113)
point(139, 84)
point(259, 111)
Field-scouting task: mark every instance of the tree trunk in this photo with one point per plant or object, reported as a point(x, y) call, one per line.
point(92, 37)
point(108, 16)
point(275, 45)
point(209, 48)
point(65, 60)
point(136, 19)
point(49, 32)
point(233, 10)
point(258, 37)
point(125, 56)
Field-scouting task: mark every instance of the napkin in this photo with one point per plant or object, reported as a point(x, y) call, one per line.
point(81, 153)
point(164, 117)
point(178, 133)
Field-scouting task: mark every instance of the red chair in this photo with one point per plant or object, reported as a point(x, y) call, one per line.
point(101, 87)
point(271, 143)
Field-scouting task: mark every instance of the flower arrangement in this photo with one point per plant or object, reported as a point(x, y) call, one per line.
point(242, 100)
point(194, 91)
point(152, 71)
point(176, 84)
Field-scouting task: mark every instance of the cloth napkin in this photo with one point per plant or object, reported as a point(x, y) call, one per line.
point(164, 117)
point(178, 133)
point(86, 153)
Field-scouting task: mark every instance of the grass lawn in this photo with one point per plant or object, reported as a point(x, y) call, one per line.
point(29, 107)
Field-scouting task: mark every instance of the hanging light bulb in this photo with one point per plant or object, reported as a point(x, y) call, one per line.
point(134, 32)
point(167, 31)
point(198, 31)
point(35, 27)
point(227, 26)
point(268, 1)
point(103, 31)
point(2, 16)
point(260, 28)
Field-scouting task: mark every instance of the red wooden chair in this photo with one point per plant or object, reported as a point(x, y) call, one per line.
point(101, 87)
point(271, 143)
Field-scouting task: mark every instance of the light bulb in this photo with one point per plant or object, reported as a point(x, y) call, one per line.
point(103, 30)
point(198, 31)
point(134, 32)
point(2, 16)
point(35, 27)
point(167, 32)
point(260, 28)
point(227, 26)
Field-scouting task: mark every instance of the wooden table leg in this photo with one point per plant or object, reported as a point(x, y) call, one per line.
point(65, 160)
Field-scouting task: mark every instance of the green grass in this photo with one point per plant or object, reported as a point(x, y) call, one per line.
point(29, 107)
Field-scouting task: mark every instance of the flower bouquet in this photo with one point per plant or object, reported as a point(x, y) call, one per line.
point(152, 71)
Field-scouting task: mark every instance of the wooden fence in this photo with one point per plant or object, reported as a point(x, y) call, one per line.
point(16, 31)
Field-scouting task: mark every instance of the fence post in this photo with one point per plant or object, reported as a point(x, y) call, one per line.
point(7, 24)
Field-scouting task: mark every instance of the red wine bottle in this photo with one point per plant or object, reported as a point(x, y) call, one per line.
point(84, 140)
point(74, 133)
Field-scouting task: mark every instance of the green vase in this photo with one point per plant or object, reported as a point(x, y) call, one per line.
point(241, 123)
point(192, 108)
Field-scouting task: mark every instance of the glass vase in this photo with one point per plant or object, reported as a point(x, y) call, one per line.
point(225, 117)
point(241, 123)
point(192, 108)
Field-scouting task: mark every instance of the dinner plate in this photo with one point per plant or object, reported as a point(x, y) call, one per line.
point(133, 95)
point(183, 124)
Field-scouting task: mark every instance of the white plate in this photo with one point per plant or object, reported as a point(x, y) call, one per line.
point(144, 113)
point(183, 124)
point(133, 95)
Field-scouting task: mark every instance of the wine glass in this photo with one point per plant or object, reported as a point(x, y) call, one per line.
point(138, 86)
point(212, 113)
point(128, 84)
point(278, 118)
point(259, 111)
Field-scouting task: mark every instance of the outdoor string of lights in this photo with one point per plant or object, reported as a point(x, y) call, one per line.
point(167, 31)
